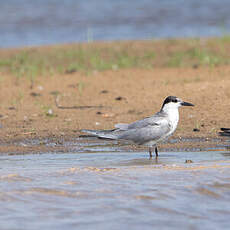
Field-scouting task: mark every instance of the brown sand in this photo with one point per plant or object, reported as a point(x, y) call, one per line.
point(126, 96)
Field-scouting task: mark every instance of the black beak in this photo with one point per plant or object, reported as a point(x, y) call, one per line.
point(186, 103)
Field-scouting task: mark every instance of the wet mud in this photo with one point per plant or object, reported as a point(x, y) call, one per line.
point(84, 144)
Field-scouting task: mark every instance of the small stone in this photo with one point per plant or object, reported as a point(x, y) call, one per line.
point(195, 66)
point(104, 91)
point(71, 70)
point(188, 161)
point(49, 112)
point(119, 98)
point(98, 113)
point(196, 130)
point(33, 94)
point(131, 111)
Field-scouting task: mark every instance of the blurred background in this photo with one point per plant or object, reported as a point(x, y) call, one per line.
point(42, 22)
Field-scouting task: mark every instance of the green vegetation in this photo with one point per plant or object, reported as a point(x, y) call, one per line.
point(198, 56)
point(47, 61)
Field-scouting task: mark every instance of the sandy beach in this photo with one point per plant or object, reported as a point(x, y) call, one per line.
point(58, 105)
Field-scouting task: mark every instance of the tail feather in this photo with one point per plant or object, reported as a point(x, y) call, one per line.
point(107, 134)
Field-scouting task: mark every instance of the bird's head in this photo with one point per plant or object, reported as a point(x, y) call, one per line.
point(172, 102)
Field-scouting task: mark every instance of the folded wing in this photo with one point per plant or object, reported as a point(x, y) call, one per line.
point(149, 132)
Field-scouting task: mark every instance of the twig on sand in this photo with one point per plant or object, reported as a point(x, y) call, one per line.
point(76, 107)
point(28, 133)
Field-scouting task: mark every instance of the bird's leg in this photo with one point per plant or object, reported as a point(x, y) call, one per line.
point(150, 153)
point(156, 151)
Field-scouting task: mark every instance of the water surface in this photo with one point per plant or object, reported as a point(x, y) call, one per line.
point(115, 190)
point(27, 22)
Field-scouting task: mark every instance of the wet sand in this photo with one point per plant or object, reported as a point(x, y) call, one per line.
point(48, 113)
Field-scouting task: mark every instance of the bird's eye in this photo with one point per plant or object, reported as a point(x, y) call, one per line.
point(174, 100)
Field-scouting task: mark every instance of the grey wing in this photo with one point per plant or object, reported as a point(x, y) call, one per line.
point(156, 119)
point(122, 126)
point(151, 132)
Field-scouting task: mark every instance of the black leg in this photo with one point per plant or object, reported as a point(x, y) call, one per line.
point(156, 151)
point(150, 152)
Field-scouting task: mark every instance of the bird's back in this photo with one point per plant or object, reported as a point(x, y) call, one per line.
point(150, 129)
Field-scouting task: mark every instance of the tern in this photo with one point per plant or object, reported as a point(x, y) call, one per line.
point(149, 131)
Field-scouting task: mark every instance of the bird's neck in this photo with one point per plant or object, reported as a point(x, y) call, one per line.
point(173, 114)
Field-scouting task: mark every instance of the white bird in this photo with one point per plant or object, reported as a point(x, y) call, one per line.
point(150, 130)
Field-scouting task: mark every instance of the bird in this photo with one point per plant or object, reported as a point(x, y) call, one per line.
point(225, 132)
point(148, 131)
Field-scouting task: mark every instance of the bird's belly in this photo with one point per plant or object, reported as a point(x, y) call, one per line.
point(155, 141)
point(173, 127)
point(150, 143)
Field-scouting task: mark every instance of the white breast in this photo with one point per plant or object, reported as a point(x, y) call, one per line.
point(173, 117)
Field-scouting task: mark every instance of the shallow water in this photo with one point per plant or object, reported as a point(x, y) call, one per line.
point(27, 22)
point(115, 190)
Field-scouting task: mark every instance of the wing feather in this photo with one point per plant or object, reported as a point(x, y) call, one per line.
point(147, 133)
